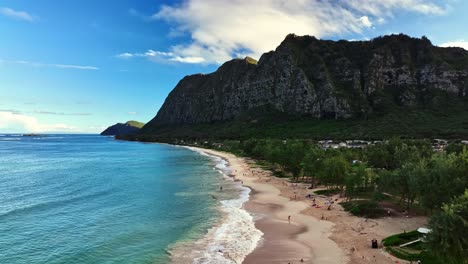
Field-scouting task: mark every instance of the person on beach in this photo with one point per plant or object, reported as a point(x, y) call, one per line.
point(289, 219)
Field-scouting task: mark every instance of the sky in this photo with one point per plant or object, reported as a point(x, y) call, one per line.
point(79, 66)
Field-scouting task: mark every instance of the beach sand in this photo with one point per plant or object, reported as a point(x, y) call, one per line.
point(338, 238)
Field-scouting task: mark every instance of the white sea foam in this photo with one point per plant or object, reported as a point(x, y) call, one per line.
point(236, 236)
point(233, 240)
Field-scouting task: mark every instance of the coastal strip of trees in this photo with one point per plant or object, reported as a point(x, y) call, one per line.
point(411, 172)
point(408, 169)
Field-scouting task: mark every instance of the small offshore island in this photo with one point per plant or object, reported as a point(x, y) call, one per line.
point(335, 204)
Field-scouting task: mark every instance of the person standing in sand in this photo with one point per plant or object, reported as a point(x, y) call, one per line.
point(289, 219)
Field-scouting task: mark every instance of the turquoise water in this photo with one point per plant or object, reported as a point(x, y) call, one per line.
point(91, 199)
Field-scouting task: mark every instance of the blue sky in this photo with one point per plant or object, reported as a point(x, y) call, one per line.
point(80, 66)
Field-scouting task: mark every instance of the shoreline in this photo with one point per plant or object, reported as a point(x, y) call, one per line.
point(315, 235)
point(233, 236)
point(304, 238)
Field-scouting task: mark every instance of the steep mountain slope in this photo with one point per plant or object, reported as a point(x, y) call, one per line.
point(130, 127)
point(310, 79)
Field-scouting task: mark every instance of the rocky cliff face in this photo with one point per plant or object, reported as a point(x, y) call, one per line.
point(322, 79)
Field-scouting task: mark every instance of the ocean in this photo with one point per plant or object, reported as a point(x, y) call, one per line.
point(92, 199)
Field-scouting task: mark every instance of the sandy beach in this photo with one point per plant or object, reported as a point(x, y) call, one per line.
point(314, 235)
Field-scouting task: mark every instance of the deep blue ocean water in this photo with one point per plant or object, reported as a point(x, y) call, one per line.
point(92, 199)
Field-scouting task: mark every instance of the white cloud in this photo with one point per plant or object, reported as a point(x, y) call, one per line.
point(132, 113)
point(187, 59)
point(18, 15)
point(160, 55)
point(365, 21)
point(460, 44)
point(11, 121)
point(148, 54)
point(390, 7)
point(40, 64)
point(125, 55)
point(251, 27)
point(222, 29)
point(76, 67)
point(152, 53)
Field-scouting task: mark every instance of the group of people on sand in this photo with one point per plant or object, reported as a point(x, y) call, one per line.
point(329, 202)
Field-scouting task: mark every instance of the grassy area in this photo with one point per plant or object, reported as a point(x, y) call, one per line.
point(134, 123)
point(399, 239)
point(251, 60)
point(364, 208)
point(412, 252)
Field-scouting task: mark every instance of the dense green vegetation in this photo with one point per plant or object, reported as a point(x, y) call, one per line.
point(423, 256)
point(267, 123)
point(449, 237)
point(398, 239)
point(446, 243)
point(407, 171)
point(414, 252)
point(365, 208)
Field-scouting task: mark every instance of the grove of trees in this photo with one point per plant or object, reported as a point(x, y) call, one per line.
point(408, 171)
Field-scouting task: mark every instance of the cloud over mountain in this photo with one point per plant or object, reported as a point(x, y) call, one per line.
point(222, 29)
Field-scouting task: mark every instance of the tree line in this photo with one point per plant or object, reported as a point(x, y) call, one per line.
point(408, 170)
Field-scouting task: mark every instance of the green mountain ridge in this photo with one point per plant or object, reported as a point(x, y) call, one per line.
point(119, 129)
point(308, 88)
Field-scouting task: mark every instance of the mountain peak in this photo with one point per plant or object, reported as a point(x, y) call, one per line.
point(322, 79)
point(129, 127)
